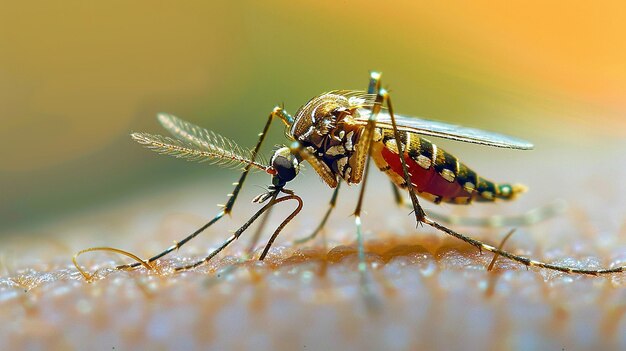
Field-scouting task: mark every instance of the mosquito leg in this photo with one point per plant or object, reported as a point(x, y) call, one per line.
point(283, 224)
point(357, 219)
point(367, 140)
point(373, 88)
point(420, 215)
point(331, 207)
point(257, 233)
point(177, 244)
point(370, 298)
point(523, 260)
point(227, 209)
point(245, 226)
point(276, 112)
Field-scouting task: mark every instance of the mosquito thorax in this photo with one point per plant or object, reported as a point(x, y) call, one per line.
point(285, 165)
point(324, 127)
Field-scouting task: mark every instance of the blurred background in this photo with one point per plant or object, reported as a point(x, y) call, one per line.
point(77, 77)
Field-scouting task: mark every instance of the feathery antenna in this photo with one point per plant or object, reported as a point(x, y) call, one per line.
point(197, 144)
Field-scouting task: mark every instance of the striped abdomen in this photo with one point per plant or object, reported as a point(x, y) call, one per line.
point(435, 174)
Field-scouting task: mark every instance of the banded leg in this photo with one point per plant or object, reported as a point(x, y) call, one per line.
point(367, 138)
point(521, 259)
point(370, 297)
point(418, 210)
point(382, 97)
point(373, 88)
point(245, 226)
point(227, 209)
point(331, 207)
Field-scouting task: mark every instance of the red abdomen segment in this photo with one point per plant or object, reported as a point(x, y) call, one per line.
point(425, 180)
point(435, 174)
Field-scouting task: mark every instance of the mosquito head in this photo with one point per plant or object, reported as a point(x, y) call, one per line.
point(285, 167)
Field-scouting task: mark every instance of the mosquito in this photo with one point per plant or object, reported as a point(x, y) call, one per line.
point(338, 133)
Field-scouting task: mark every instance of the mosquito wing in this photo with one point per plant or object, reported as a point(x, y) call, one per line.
point(445, 130)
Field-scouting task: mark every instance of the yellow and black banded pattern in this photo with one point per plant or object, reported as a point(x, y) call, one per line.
point(435, 174)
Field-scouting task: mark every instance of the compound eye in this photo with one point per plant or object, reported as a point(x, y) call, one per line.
point(285, 164)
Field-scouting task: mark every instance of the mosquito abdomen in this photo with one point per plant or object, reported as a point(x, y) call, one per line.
point(487, 190)
point(436, 174)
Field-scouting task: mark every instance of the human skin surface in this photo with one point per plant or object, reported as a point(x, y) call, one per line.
point(422, 289)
